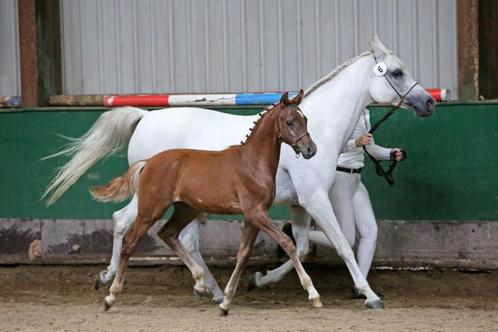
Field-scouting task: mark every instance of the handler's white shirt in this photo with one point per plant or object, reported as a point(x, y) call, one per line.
point(353, 156)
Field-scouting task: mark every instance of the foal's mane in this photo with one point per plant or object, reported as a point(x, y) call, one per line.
point(334, 73)
point(258, 121)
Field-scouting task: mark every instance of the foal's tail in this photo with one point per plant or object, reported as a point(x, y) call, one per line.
point(110, 133)
point(120, 188)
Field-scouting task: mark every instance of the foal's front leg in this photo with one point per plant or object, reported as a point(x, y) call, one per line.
point(249, 234)
point(261, 220)
point(300, 229)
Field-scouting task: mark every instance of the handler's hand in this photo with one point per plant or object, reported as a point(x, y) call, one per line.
point(363, 140)
point(397, 154)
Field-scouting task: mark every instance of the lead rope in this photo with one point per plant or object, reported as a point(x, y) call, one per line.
point(388, 175)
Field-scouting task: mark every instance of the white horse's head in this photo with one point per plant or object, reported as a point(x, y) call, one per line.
point(392, 82)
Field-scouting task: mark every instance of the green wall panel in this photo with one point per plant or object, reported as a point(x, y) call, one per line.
point(450, 173)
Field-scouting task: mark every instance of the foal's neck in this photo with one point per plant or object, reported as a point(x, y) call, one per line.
point(262, 147)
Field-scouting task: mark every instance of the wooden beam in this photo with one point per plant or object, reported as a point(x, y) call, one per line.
point(488, 49)
point(40, 51)
point(468, 49)
point(49, 50)
point(28, 54)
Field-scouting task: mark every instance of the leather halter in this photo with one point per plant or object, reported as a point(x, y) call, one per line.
point(291, 141)
point(388, 175)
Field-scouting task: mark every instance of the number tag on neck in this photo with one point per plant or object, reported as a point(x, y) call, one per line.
point(380, 69)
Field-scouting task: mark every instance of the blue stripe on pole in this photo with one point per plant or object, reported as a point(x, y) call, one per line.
point(260, 98)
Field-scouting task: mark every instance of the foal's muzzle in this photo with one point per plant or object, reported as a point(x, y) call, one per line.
point(306, 147)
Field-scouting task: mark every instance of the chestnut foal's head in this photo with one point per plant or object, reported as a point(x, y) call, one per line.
point(293, 126)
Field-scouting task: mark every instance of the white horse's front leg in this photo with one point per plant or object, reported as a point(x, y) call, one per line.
point(189, 237)
point(300, 228)
point(122, 220)
point(320, 208)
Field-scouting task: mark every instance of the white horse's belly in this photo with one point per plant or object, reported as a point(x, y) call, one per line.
point(286, 193)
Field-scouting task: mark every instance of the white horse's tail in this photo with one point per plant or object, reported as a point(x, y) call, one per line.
point(109, 134)
point(120, 188)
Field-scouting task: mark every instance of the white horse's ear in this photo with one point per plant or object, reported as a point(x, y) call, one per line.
point(377, 48)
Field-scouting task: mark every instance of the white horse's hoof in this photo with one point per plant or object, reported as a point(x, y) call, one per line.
point(100, 280)
point(316, 303)
point(216, 300)
point(374, 304)
point(252, 282)
point(223, 312)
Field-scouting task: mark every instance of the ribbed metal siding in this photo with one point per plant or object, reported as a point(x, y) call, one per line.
point(9, 50)
point(142, 46)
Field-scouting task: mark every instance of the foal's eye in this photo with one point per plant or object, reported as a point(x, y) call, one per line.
point(290, 123)
point(397, 73)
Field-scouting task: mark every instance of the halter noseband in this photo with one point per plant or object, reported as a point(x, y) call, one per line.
point(291, 141)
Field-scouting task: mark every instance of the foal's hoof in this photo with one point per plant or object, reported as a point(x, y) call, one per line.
point(223, 312)
point(108, 302)
point(375, 304)
point(316, 303)
point(215, 300)
point(251, 283)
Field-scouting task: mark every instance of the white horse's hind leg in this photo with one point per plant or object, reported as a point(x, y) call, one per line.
point(300, 228)
point(122, 220)
point(189, 237)
point(320, 208)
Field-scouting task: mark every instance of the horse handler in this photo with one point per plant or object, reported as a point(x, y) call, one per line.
point(350, 198)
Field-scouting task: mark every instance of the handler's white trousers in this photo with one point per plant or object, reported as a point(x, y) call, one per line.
point(354, 213)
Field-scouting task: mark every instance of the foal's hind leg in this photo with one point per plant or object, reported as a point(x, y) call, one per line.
point(169, 233)
point(247, 239)
point(138, 230)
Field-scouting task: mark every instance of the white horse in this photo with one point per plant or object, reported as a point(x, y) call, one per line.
point(333, 106)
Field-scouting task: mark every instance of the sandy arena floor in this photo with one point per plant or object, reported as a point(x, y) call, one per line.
point(62, 298)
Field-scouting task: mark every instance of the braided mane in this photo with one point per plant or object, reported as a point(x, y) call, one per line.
point(334, 73)
point(257, 122)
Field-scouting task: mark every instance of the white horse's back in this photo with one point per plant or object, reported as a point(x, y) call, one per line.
point(167, 129)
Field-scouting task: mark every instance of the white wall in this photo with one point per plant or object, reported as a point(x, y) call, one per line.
point(9, 49)
point(143, 46)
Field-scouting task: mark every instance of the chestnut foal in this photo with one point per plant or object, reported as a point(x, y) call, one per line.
point(239, 179)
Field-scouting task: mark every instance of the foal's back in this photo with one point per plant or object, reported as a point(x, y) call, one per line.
point(209, 181)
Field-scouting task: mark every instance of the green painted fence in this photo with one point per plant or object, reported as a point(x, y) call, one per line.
point(451, 172)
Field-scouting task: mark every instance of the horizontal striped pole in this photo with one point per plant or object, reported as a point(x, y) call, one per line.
point(170, 100)
point(10, 101)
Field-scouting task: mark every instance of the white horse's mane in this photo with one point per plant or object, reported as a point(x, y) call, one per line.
point(334, 73)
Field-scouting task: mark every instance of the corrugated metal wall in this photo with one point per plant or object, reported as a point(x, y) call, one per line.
point(9, 50)
point(132, 46)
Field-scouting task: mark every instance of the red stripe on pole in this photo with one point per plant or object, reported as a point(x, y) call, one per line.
point(137, 100)
point(440, 94)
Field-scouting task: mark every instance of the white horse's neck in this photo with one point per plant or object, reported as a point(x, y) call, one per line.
point(334, 108)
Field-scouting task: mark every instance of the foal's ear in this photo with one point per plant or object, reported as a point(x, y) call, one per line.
point(297, 99)
point(285, 99)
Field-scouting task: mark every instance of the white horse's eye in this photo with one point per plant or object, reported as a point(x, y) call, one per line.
point(397, 73)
